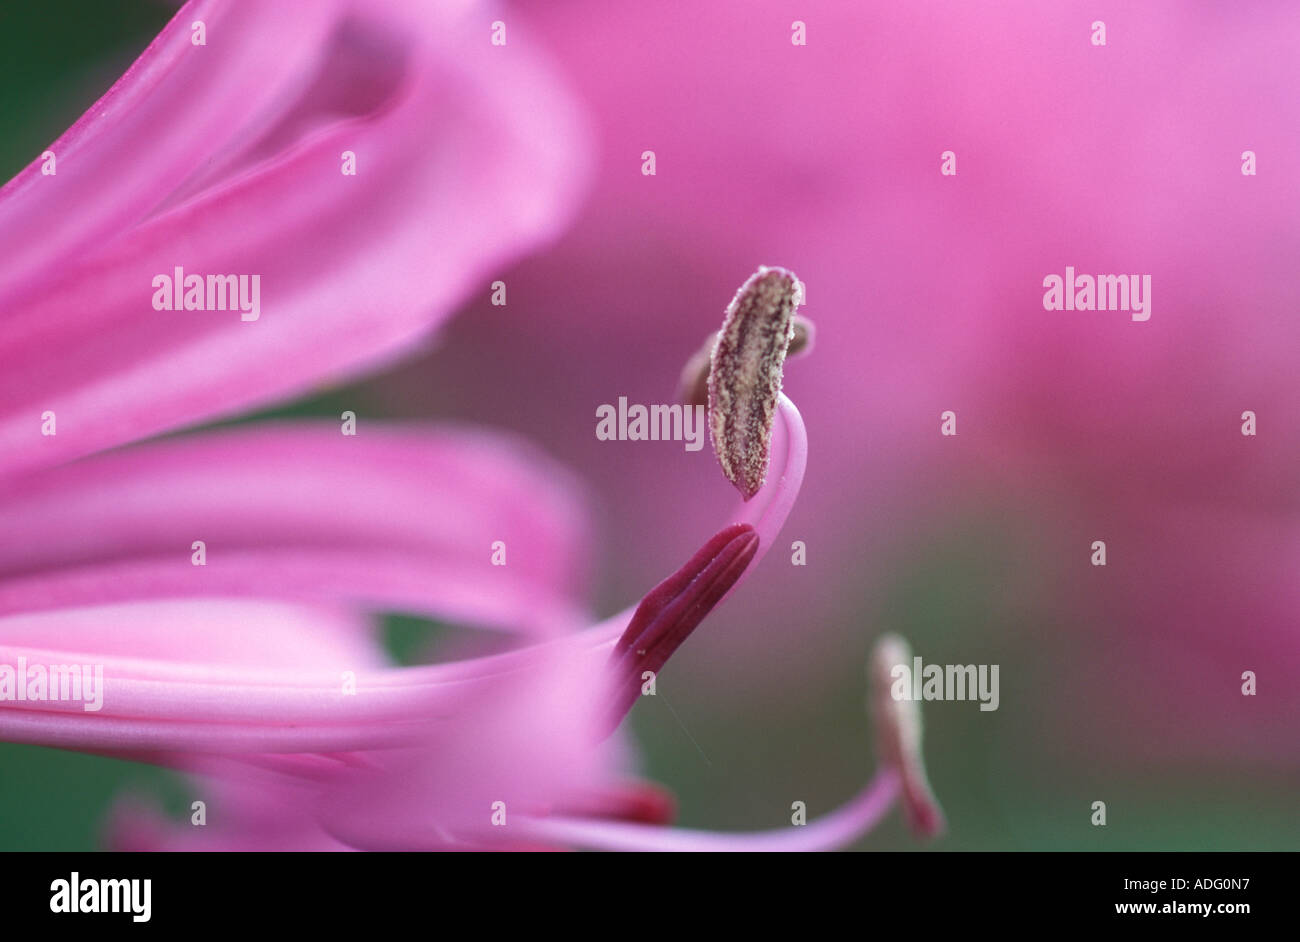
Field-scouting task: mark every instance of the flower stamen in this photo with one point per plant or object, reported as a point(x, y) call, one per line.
point(693, 388)
point(672, 610)
point(745, 374)
point(898, 737)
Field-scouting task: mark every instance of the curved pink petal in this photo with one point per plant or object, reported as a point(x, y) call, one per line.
point(414, 757)
point(157, 124)
point(467, 154)
point(206, 675)
point(170, 685)
point(525, 744)
point(518, 749)
point(227, 637)
point(394, 518)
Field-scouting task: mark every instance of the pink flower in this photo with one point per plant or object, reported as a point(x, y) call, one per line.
point(214, 581)
point(273, 699)
point(226, 158)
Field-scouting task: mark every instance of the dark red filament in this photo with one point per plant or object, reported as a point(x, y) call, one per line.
point(673, 609)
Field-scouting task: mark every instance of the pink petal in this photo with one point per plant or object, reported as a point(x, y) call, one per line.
point(529, 745)
point(466, 157)
point(169, 684)
point(395, 518)
point(224, 638)
point(156, 125)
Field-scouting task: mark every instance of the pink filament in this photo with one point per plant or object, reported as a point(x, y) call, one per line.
point(835, 830)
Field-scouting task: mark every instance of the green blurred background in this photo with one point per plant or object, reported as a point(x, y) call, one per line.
point(717, 757)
